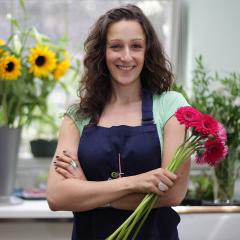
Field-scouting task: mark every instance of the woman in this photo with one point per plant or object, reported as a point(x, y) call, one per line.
point(114, 146)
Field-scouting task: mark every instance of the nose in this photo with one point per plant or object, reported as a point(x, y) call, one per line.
point(126, 54)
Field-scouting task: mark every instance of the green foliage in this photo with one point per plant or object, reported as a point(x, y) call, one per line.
point(220, 97)
point(202, 187)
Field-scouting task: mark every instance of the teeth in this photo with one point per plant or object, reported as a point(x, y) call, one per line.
point(126, 68)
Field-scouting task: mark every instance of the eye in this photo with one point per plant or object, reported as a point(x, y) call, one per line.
point(137, 46)
point(116, 46)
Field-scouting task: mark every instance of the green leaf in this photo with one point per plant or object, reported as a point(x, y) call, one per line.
point(17, 44)
point(22, 5)
point(13, 21)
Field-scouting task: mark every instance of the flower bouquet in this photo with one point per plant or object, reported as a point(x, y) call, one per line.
point(30, 69)
point(206, 141)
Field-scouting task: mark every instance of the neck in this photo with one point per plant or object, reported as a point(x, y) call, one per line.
point(125, 94)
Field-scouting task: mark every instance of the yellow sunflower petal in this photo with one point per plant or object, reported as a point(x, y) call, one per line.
point(10, 68)
point(42, 61)
point(2, 42)
point(61, 69)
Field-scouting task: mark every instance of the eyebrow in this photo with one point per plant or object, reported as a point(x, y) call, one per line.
point(136, 39)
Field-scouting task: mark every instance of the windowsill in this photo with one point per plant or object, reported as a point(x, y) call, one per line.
point(38, 209)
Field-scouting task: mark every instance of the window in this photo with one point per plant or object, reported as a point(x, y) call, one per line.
point(74, 18)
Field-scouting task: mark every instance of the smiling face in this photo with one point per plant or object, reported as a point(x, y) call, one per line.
point(126, 44)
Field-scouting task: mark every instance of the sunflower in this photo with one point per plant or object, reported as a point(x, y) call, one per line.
point(42, 60)
point(61, 69)
point(10, 68)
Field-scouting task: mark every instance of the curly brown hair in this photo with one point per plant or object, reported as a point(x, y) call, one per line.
point(95, 86)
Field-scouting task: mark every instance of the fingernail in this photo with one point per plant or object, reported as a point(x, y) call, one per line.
point(64, 151)
point(57, 156)
point(55, 168)
point(54, 162)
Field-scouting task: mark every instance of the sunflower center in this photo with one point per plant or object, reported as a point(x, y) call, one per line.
point(40, 61)
point(10, 67)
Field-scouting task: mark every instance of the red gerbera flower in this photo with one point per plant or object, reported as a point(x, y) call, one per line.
point(222, 133)
point(207, 125)
point(215, 151)
point(188, 116)
point(200, 157)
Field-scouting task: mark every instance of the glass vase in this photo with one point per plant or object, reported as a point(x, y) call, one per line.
point(9, 146)
point(224, 179)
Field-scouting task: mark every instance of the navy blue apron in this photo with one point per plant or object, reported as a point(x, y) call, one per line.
point(108, 153)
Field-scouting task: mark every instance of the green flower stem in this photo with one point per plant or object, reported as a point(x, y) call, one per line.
point(138, 216)
point(180, 157)
point(149, 208)
point(141, 213)
point(176, 158)
point(188, 139)
point(130, 218)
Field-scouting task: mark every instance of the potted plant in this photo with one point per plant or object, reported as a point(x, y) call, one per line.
point(220, 97)
point(44, 137)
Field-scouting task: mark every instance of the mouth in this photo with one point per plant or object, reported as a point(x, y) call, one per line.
point(125, 68)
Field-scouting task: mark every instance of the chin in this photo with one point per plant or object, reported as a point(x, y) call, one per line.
point(124, 82)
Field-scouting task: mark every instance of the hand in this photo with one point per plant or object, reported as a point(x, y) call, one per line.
point(150, 181)
point(68, 166)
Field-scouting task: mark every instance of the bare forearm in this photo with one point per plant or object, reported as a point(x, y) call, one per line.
point(79, 195)
point(131, 201)
point(128, 202)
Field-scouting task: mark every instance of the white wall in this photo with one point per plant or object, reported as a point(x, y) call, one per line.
point(210, 28)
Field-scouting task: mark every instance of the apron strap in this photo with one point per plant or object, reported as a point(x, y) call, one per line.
point(147, 102)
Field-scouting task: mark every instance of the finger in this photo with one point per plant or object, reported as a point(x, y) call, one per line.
point(170, 175)
point(166, 181)
point(157, 191)
point(162, 187)
point(70, 155)
point(153, 186)
point(67, 160)
point(66, 166)
point(62, 164)
point(63, 158)
point(63, 172)
point(154, 179)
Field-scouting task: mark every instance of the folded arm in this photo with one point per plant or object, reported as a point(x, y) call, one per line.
point(68, 189)
point(78, 194)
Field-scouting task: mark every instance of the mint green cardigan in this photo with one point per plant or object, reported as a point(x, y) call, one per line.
point(164, 107)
